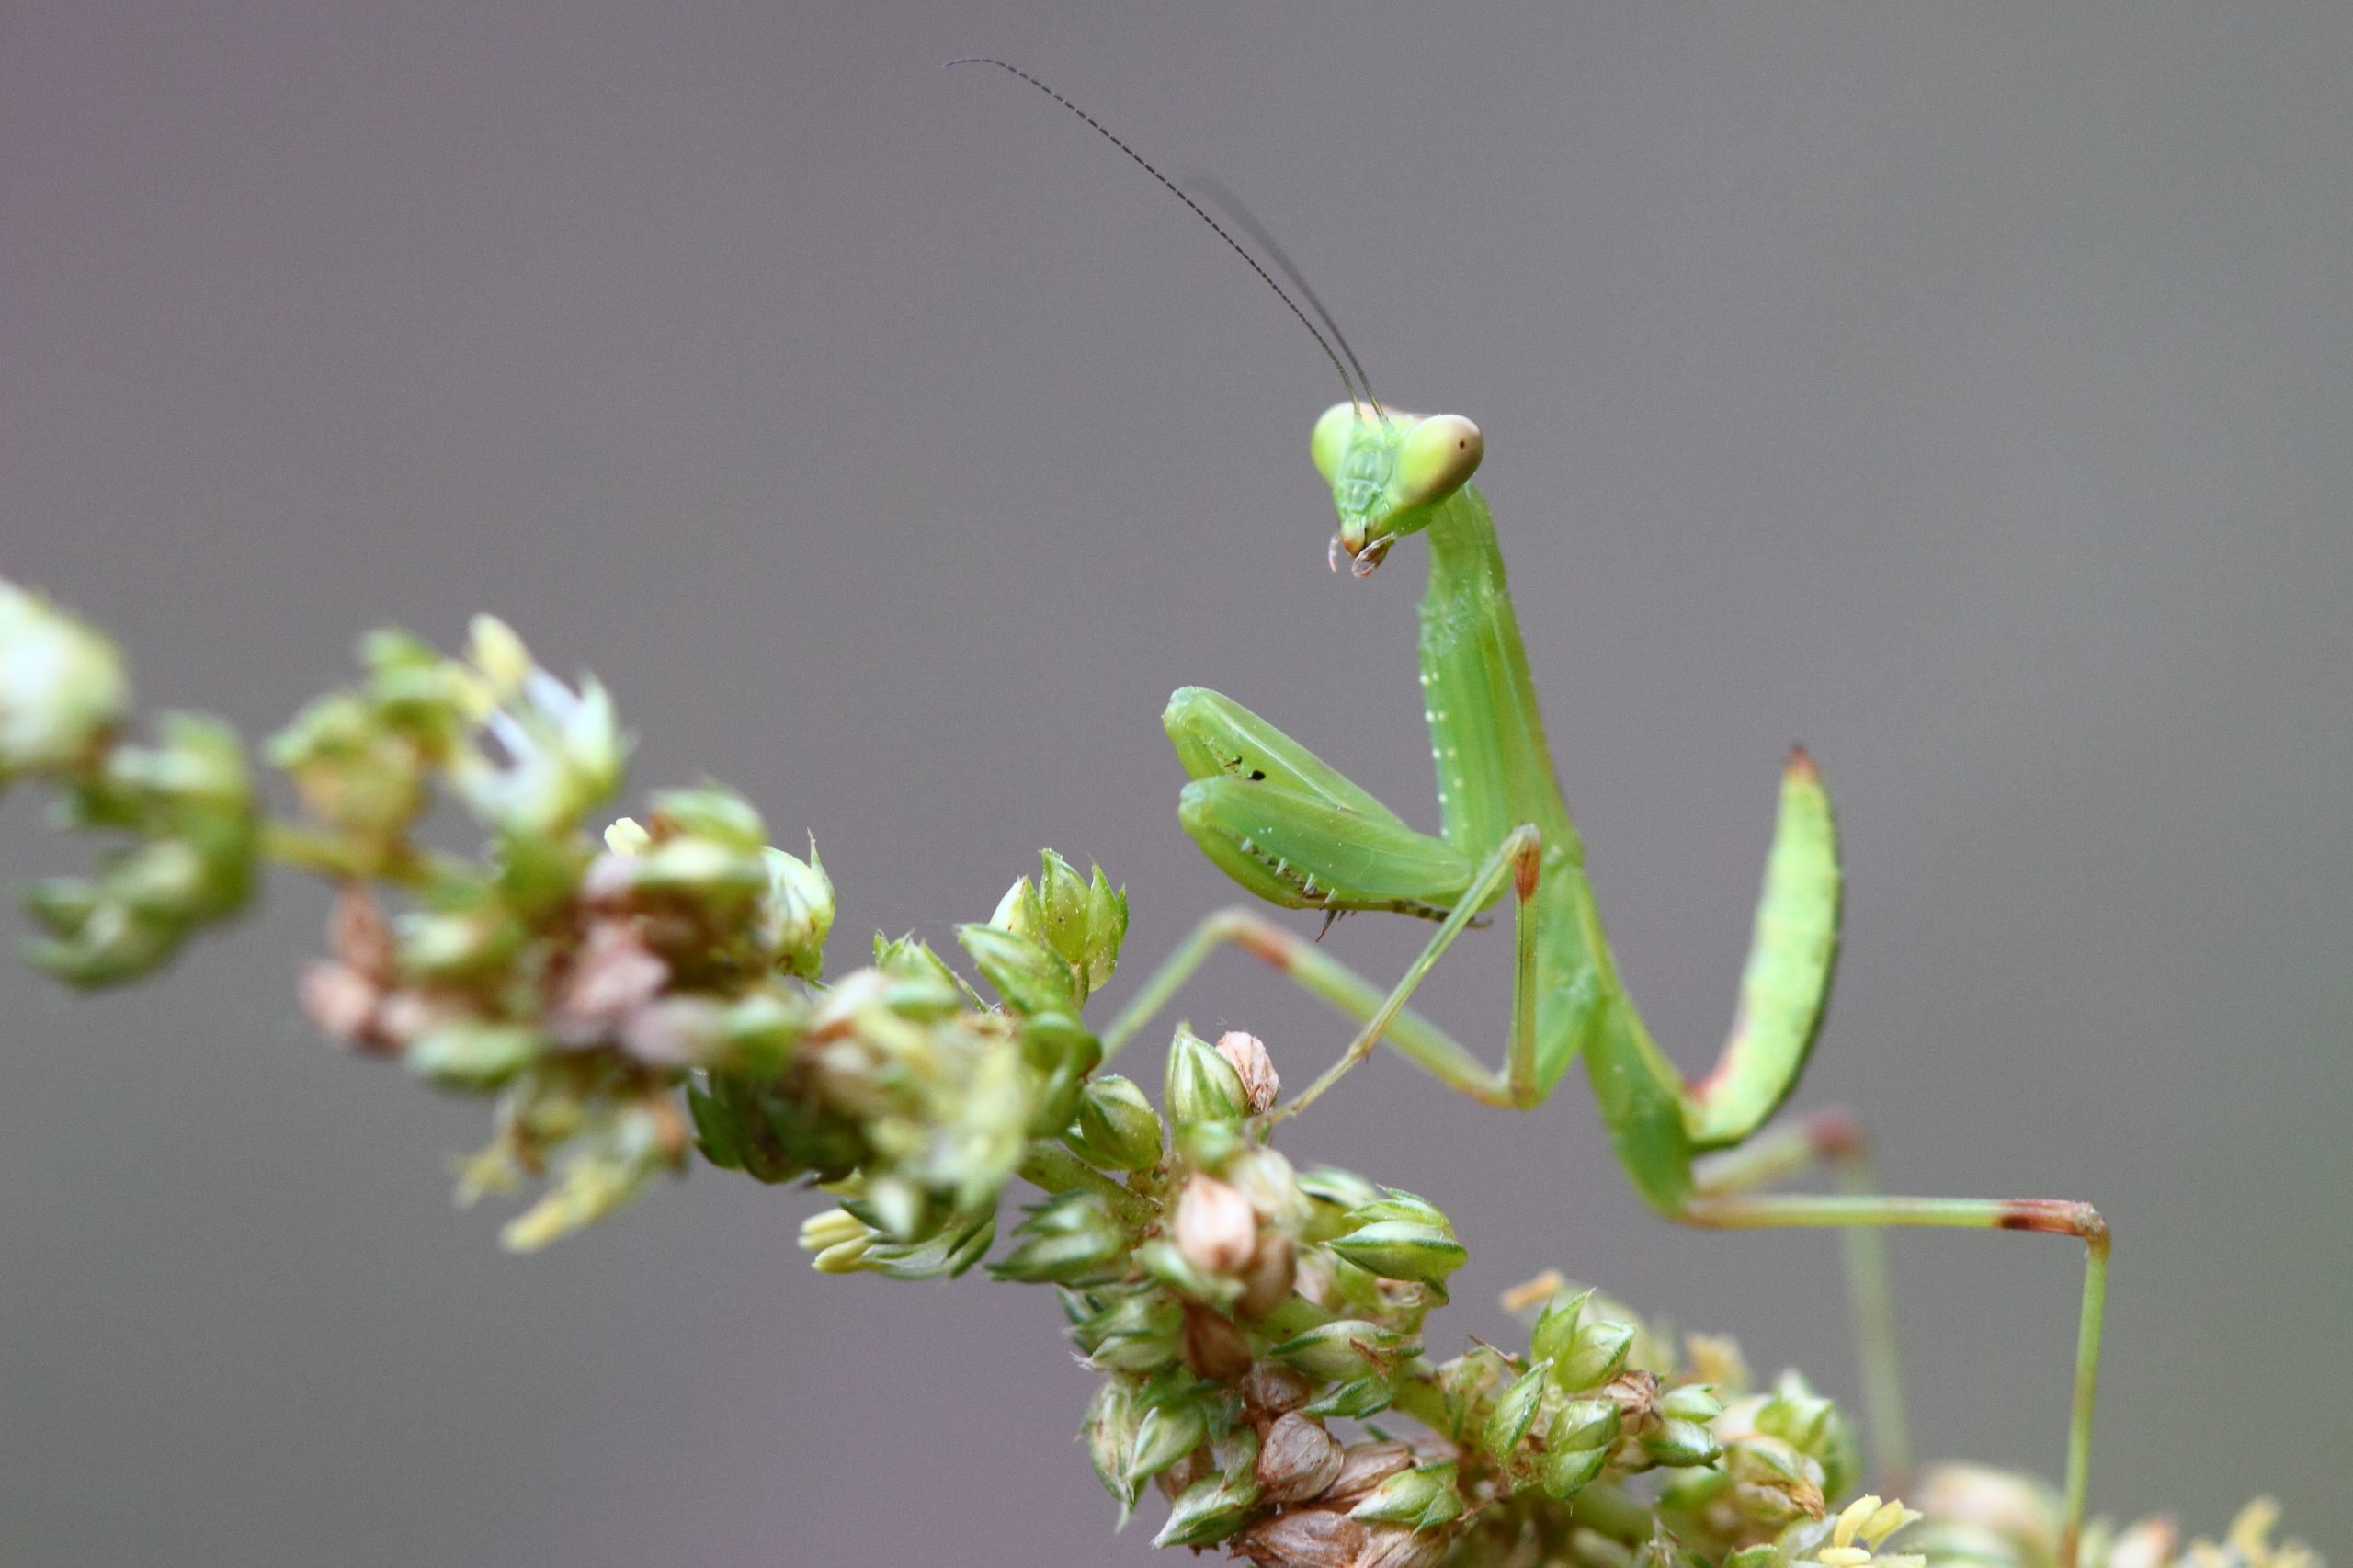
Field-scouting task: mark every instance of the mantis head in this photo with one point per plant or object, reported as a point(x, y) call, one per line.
point(1388, 474)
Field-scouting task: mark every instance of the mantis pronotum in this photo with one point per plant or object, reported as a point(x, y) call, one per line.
point(1294, 831)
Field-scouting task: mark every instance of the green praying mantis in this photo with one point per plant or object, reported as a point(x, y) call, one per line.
point(1296, 833)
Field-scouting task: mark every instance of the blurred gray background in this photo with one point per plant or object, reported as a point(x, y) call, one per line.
point(1961, 389)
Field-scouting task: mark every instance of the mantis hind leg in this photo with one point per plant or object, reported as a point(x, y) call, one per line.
point(2047, 1215)
point(1834, 1137)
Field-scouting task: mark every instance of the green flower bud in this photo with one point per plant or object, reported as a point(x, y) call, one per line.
point(1418, 1499)
point(1691, 1402)
point(798, 913)
point(1166, 1434)
point(1030, 978)
point(498, 652)
point(1356, 1400)
point(1117, 1127)
point(1465, 1381)
point(1762, 1555)
point(1681, 1443)
point(1208, 1511)
point(1557, 1330)
point(562, 752)
point(615, 1157)
point(1062, 1052)
point(1070, 1240)
point(113, 944)
point(1163, 1260)
point(893, 1205)
point(1802, 1420)
point(1814, 1427)
point(1343, 1350)
point(1663, 1551)
point(1514, 1413)
point(1106, 930)
point(466, 1055)
point(714, 813)
point(1109, 1435)
point(1210, 1145)
point(454, 946)
point(1691, 1489)
point(1202, 1085)
point(1142, 1352)
point(1597, 1352)
point(1403, 1249)
point(1401, 1206)
point(699, 869)
point(63, 686)
point(1585, 1424)
point(1328, 1186)
point(1565, 1472)
point(1081, 924)
point(944, 1255)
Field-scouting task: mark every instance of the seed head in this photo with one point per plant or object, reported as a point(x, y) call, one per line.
point(1216, 1227)
point(1246, 1054)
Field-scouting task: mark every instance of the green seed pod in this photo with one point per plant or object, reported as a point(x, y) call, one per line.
point(1465, 1381)
point(1210, 1145)
point(713, 812)
point(1343, 1350)
point(473, 1055)
point(1336, 1194)
point(798, 913)
point(1681, 1443)
point(945, 1253)
point(1139, 1332)
point(1208, 1511)
point(454, 946)
point(1555, 1333)
point(1109, 1435)
point(702, 870)
point(1202, 1085)
point(1418, 1499)
point(1585, 1424)
point(1514, 1413)
point(1081, 924)
point(1663, 1551)
point(63, 686)
point(1691, 1402)
point(1071, 1240)
point(1117, 1129)
point(1690, 1490)
point(1164, 1261)
point(1165, 1434)
point(1565, 1472)
point(1356, 1400)
point(1595, 1354)
point(1030, 978)
point(1404, 1207)
point(1403, 1249)
point(1106, 930)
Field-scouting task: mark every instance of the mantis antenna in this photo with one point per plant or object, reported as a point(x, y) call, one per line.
point(1242, 218)
point(1215, 227)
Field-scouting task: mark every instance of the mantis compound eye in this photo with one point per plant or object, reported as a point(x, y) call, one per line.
point(1438, 456)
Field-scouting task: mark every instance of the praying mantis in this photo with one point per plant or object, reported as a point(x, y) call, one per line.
point(1295, 833)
